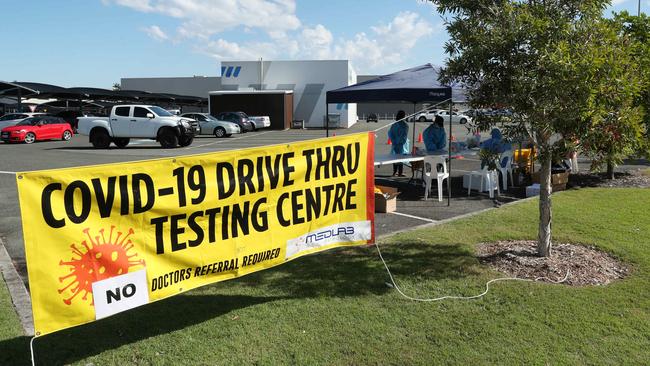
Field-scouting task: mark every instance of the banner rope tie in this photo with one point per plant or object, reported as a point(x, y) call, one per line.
point(487, 284)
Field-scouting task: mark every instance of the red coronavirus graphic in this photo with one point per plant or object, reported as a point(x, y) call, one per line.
point(99, 259)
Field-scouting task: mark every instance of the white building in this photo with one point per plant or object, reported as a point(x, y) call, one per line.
point(309, 80)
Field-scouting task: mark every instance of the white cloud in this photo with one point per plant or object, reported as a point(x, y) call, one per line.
point(224, 50)
point(156, 33)
point(386, 45)
point(205, 21)
point(205, 18)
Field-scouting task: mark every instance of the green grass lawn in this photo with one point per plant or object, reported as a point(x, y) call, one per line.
point(334, 307)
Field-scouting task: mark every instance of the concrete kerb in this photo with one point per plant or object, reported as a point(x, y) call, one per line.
point(19, 295)
point(455, 218)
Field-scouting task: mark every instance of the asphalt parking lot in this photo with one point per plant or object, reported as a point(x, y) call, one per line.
point(412, 210)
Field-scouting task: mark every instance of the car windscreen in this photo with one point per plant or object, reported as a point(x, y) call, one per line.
point(210, 117)
point(10, 117)
point(28, 121)
point(160, 112)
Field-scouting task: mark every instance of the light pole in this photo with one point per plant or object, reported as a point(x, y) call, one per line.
point(638, 9)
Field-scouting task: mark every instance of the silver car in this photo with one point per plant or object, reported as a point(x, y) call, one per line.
point(12, 119)
point(212, 126)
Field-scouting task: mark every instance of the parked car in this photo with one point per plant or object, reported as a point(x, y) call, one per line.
point(209, 125)
point(72, 117)
point(37, 128)
point(427, 115)
point(455, 117)
point(260, 121)
point(372, 117)
point(138, 121)
point(240, 118)
point(11, 119)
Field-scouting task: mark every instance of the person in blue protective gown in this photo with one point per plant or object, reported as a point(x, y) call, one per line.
point(496, 144)
point(435, 137)
point(398, 135)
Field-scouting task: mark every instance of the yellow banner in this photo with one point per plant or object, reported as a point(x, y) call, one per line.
point(104, 239)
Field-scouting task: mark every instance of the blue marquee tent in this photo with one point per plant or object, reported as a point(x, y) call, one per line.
point(418, 84)
point(415, 85)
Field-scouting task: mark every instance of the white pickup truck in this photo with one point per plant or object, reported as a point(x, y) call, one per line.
point(138, 121)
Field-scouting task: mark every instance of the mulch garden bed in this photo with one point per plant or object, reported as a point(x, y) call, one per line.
point(585, 265)
point(630, 179)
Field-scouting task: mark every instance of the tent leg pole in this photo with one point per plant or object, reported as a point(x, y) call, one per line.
point(20, 101)
point(449, 150)
point(413, 148)
point(327, 119)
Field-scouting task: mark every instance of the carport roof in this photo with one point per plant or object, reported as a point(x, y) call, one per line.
point(95, 93)
point(30, 89)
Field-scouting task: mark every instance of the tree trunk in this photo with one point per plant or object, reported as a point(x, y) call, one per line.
point(610, 169)
point(545, 215)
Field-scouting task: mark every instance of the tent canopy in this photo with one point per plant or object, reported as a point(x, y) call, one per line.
point(418, 84)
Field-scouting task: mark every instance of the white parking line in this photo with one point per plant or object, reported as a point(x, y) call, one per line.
point(3, 172)
point(413, 217)
point(226, 140)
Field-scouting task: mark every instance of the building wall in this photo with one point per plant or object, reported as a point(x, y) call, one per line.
point(310, 80)
point(198, 86)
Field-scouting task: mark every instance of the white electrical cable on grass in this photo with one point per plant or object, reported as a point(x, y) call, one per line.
point(31, 350)
point(487, 285)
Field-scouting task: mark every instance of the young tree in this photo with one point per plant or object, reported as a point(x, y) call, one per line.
point(613, 128)
point(534, 57)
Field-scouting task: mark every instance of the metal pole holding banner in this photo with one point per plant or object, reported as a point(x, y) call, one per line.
point(451, 105)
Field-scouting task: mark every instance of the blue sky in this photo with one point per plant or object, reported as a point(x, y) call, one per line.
point(97, 42)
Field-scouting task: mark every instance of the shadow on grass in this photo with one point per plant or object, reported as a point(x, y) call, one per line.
point(161, 317)
point(343, 272)
point(358, 271)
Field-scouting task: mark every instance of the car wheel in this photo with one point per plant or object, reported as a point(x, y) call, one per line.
point(121, 142)
point(100, 139)
point(186, 141)
point(168, 139)
point(422, 119)
point(30, 138)
point(463, 121)
point(219, 132)
point(67, 135)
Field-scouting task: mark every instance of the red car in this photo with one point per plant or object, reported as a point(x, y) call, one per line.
point(37, 128)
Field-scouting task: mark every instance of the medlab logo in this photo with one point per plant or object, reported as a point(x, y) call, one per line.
point(230, 71)
point(326, 234)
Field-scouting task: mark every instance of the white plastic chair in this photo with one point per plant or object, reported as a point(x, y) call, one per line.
point(491, 178)
point(504, 166)
point(430, 171)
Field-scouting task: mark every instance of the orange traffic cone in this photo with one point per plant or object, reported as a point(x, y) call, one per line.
point(420, 140)
point(388, 142)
